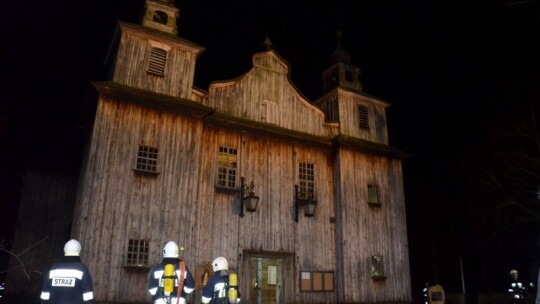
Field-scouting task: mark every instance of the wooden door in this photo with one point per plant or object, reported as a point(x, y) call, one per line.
point(266, 280)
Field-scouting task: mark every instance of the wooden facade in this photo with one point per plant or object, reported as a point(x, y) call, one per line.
point(353, 250)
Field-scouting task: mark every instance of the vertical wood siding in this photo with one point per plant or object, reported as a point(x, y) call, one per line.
point(268, 80)
point(272, 165)
point(121, 204)
point(371, 230)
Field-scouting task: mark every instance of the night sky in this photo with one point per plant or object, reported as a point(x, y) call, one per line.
point(440, 64)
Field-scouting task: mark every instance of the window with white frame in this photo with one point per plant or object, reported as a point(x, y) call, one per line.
point(373, 194)
point(137, 253)
point(147, 159)
point(227, 167)
point(156, 62)
point(363, 116)
point(306, 180)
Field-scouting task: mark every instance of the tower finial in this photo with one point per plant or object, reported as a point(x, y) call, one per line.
point(338, 36)
point(268, 43)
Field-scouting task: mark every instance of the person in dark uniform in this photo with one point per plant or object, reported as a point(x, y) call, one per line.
point(517, 289)
point(181, 276)
point(68, 281)
point(216, 291)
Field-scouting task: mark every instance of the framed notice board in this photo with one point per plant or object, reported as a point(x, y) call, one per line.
point(316, 281)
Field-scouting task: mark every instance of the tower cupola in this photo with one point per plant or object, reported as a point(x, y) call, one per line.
point(161, 15)
point(342, 72)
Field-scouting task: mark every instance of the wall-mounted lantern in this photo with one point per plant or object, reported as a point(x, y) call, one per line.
point(303, 200)
point(247, 197)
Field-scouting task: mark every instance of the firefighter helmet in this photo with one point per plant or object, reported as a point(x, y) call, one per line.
point(513, 271)
point(220, 263)
point(72, 248)
point(171, 250)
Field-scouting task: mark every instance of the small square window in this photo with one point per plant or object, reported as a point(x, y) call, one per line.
point(147, 159)
point(137, 253)
point(373, 195)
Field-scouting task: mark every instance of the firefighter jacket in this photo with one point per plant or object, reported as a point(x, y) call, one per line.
point(155, 283)
point(68, 281)
point(217, 289)
point(518, 291)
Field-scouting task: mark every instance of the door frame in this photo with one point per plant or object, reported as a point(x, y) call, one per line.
point(288, 272)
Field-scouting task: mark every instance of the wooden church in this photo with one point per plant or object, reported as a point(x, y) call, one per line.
point(304, 198)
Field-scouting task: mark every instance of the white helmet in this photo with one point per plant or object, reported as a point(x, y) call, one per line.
point(220, 264)
point(171, 250)
point(72, 248)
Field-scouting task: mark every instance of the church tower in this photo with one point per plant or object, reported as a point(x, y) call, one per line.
point(359, 115)
point(152, 57)
point(342, 72)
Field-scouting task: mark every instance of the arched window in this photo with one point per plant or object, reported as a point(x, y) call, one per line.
point(160, 17)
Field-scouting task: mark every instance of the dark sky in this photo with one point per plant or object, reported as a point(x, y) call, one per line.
point(439, 63)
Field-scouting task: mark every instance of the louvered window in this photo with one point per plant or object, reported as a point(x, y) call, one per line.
point(363, 117)
point(147, 159)
point(156, 63)
point(227, 166)
point(137, 253)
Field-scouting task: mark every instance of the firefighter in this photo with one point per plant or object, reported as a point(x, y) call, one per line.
point(222, 288)
point(170, 281)
point(68, 281)
point(517, 290)
point(425, 293)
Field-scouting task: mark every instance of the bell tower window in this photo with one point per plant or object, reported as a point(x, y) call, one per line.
point(160, 17)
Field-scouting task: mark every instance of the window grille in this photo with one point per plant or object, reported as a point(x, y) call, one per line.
point(227, 166)
point(306, 180)
point(137, 253)
point(156, 63)
point(147, 159)
point(363, 117)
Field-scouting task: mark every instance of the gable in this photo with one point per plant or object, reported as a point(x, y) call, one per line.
point(266, 94)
